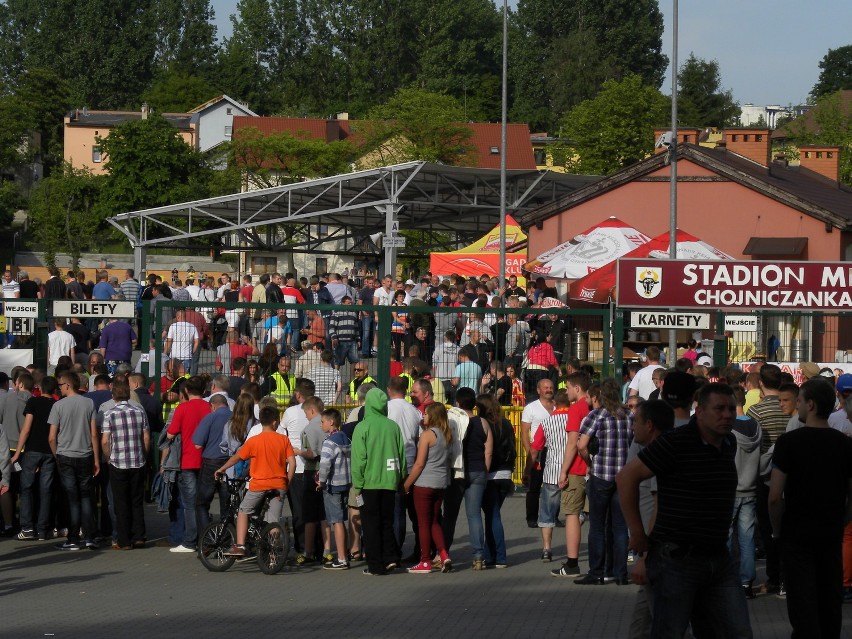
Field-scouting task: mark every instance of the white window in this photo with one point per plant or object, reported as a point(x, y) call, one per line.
point(97, 156)
point(228, 131)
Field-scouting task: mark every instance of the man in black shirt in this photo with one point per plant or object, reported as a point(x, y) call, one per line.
point(692, 574)
point(810, 499)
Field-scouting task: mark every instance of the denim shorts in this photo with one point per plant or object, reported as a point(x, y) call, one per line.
point(548, 505)
point(336, 510)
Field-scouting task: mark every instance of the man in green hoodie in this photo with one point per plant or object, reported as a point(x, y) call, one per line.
point(378, 470)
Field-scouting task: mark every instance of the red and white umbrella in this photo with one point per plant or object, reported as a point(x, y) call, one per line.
point(599, 286)
point(588, 251)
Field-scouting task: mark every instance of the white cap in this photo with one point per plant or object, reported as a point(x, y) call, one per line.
point(410, 283)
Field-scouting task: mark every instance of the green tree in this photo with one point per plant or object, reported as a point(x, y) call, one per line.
point(614, 129)
point(148, 164)
point(832, 125)
point(177, 92)
point(186, 37)
point(835, 72)
point(626, 36)
point(282, 158)
point(701, 100)
point(416, 125)
point(64, 213)
point(11, 200)
point(459, 44)
point(104, 49)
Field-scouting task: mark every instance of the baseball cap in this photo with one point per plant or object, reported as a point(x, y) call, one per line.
point(844, 383)
point(410, 283)
point(678, 388)
point(809, 369)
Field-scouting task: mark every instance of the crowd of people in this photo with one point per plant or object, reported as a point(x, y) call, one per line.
point(689, 473)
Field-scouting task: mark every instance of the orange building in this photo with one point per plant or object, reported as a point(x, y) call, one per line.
point(731, 196)
point(83, 127)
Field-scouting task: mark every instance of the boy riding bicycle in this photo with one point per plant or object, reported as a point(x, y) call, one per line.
point(273, 464)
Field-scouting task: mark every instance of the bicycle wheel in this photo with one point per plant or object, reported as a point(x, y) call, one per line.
point(272, 548)
point(216, 539)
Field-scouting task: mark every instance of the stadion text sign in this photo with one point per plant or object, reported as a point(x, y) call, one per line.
point(786, 286)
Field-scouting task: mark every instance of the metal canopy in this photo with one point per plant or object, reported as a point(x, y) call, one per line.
point(352, 206)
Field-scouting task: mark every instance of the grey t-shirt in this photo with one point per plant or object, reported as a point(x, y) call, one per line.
point(312, 437)
point(74, 416)
point(647, 489)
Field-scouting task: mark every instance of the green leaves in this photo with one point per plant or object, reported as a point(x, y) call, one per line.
point(415, 125)
point(148, 165)
point(701, 100)
point(615, 129)
point(836, 72)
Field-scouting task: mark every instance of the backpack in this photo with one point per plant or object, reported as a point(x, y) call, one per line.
point(504, 452)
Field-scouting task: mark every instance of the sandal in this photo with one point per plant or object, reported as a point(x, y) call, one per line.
point(355, 556)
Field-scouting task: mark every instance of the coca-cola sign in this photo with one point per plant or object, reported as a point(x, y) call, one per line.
point(792, 286)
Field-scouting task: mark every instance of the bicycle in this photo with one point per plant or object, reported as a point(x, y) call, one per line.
point(270, 541)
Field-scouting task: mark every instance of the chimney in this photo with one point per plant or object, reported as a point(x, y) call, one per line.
point(686, 135)
point(749, 143)
point(821, 159)
point(332, 130)
point(145, 110)
point(343, 115)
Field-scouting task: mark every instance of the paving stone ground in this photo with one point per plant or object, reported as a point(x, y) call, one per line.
point(153, 593)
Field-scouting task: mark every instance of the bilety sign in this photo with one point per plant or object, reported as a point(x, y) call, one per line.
point(683, 284)
point(648, 319)
point(92, 308)
point(742, 323)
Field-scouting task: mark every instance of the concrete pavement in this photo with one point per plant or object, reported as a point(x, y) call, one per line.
point(154, 593)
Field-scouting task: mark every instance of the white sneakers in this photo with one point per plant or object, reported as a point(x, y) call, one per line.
point(181, 548)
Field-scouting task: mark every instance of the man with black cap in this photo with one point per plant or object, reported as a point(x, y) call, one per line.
point(677, 391)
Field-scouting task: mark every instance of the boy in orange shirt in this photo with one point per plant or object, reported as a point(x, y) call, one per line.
point(273, 464)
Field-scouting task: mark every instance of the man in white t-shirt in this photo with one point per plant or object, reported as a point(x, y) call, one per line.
point(292, 425)
point(11, 291)
point(182, 340)
point(383, 296)
point(59, 343)
point(407, 417)
point(643, 384)
point(534, 414)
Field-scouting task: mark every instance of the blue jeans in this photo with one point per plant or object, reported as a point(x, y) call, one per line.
point(548, 505)
point(366, 334)
point(76, 476)
point(188, 486)
point(496, 491)
point(703, 589)
point(473, 493)
point(745, 509)
point(36, 468)
point(346, 350)
point(604, 512)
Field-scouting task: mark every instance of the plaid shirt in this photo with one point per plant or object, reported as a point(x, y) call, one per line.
point(125, 425)
point(614, 437)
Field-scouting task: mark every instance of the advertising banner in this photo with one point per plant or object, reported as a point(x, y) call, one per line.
point(777, 286)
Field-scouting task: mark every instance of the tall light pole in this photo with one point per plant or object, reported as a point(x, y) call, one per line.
point(673, 174)
point(502, 253)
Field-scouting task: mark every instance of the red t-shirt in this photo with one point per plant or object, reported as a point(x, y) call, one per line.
point(186, 418)
point(576, 412)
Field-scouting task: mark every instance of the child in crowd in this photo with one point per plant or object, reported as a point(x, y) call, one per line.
point(313, 511)
point(335, 479)
point(273, 464)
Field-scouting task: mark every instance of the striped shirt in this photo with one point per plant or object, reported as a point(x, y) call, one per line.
point(696, 486)
point(773, 421)
point(554, 435)
point(614, 436)
point(345, 326)
point(125, 424)
point(129, 289)
point(11, 290)
point(326, 380)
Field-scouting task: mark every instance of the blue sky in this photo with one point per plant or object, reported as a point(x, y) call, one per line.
point(768, 52)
